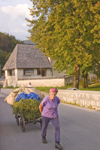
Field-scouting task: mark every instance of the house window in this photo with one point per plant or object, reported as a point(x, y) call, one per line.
point(9, 72)
point(41, 71)
point(38, 71)
point(28, 72)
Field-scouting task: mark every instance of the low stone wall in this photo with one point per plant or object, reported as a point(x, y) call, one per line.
point(46, 81)
point(2, 82)
point(50, 81)
point(89, 99)
point(42, 82)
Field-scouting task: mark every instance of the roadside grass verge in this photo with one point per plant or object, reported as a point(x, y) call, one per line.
point(11, 87)
point(94, 87)
point(46, 89)
point(1, 86)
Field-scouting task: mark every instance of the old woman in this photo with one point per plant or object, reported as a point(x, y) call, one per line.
point(49, 112)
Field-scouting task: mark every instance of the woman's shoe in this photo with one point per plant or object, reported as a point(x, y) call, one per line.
point(44, 140)
point(58, 146)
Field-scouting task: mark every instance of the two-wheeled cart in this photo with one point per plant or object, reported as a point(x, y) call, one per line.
point(22, 121)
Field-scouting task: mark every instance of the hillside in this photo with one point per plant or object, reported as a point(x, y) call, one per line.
point(7, 44)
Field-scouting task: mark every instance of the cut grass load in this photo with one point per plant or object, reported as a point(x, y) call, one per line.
point(28, 108)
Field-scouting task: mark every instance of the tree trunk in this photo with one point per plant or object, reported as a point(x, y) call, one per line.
point(84, 79)
point(76, 76)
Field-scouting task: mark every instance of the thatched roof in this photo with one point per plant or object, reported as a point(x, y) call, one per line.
point(26, 56)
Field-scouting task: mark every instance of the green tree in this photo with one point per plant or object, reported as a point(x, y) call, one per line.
point(8, 42)
point(95, 49)
point(68, 31)
point(3, 58)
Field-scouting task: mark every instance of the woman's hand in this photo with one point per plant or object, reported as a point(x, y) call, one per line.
point(40, 108)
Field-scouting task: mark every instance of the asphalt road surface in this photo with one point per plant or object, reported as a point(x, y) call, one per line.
point(80, 129)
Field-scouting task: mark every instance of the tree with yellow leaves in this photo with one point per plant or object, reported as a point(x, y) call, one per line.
point(68, 31)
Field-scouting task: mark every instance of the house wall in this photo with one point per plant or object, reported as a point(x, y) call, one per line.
point(37, 81)
point(10, 81)
point(13, 72)
point(1, 82)
point(16, 74)
point(35, 72)
point(89, 99)
point(5, 73)
point(20, 73)
point(55, 72)
point(48, 72)
point(92, 76)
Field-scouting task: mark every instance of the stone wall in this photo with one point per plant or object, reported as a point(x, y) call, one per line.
point(10, 81)
point(42, 82)
point(1, 82)
point(37, 81)
point(89, 99)
point(45, 81)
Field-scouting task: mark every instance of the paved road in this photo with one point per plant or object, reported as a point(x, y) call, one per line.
point(80, 129)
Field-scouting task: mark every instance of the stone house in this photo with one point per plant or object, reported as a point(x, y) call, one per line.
point(27, 62)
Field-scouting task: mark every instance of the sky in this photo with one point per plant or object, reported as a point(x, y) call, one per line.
point(12, 18)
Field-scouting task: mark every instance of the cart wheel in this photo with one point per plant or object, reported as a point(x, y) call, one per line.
point(17, 119)
point(22, 123)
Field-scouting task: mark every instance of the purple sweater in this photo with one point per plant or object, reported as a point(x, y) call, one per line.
point(50, 107)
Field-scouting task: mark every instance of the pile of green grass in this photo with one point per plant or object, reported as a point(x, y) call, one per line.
point(28, 108)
